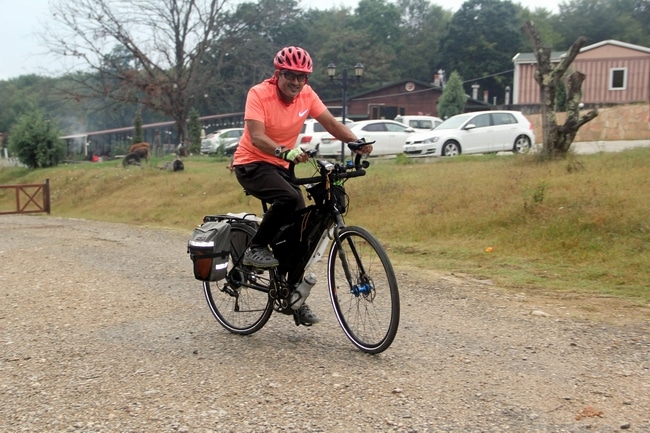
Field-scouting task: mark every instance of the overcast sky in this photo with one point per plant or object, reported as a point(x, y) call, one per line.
point(21, 52)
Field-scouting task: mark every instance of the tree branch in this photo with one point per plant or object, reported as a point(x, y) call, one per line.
point(143, 51)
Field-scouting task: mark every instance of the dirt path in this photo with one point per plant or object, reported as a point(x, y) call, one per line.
point(104, 329)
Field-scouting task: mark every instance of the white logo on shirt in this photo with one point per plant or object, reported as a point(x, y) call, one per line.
point(302, 113)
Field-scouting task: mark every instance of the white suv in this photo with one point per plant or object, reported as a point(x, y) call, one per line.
point(419, 123)
point(477, 132)
point(311, 134)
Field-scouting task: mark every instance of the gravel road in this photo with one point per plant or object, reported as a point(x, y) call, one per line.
point(104, 329)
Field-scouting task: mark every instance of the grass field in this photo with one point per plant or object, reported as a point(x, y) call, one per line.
point(574, 226)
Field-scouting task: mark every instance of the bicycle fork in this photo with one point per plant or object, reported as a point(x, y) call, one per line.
point(361, 284)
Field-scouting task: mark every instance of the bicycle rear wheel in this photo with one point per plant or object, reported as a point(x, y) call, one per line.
point(242, 304)
point(366, 306)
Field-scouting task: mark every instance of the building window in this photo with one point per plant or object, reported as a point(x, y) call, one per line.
point(617, 78)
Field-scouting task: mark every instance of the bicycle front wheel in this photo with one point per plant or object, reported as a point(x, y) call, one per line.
point(363, 290)
point(242, 304)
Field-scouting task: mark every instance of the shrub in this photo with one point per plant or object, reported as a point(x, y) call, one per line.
point(453, 98)
point(195, 131)
point(35, 141)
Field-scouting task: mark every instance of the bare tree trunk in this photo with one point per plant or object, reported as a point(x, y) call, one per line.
point(557, 140)
point(568, 131)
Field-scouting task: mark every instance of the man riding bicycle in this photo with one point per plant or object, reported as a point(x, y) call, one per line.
point(274, 114)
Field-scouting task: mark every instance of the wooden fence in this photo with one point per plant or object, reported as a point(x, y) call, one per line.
point(29, 198)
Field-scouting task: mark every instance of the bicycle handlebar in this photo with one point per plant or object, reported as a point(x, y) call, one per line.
point(337, 171)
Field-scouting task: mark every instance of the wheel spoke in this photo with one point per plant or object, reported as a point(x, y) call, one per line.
point(368, 307)
point(241, 304)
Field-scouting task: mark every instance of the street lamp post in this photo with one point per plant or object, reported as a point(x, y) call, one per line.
point(358, 72)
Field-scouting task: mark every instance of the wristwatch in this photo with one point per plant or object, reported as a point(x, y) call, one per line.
point(279, 151)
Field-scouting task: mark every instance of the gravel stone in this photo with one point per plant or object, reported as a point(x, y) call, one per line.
point(103, 328)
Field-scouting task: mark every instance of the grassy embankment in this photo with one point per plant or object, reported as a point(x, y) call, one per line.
point(575, 226)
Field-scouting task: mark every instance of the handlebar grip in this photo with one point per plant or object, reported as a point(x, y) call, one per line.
point(357, 145)
point(311, 152)
point(350, 174)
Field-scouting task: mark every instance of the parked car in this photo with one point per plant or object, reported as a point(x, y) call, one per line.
point(229, 149)
point(388, 134)
point(477, 132)
point(312, 132)
point(222, 137)
point(423, 123)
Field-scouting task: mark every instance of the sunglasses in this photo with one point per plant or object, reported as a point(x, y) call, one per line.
point(290, 76)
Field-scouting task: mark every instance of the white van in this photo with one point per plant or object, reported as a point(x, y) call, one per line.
point(422, 123)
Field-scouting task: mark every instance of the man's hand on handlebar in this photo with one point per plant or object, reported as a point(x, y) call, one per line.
point(297, 155)
point(361, 146)
point(311, 152)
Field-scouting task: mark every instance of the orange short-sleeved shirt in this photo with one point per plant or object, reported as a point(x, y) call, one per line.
point(282, 122)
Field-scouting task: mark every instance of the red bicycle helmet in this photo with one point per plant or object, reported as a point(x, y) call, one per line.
point(293, 59)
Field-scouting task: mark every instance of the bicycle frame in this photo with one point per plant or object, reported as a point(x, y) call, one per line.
point(280, 285)
point(361, 282)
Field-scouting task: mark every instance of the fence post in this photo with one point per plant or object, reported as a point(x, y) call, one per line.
point(46, 196)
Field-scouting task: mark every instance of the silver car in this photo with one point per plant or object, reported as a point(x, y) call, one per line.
point(477, 132)
point(220, 138)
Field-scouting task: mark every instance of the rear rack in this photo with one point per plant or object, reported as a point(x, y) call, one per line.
point(243, 217)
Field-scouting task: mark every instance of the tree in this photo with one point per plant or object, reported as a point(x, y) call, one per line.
point(483, 37)
point(422, 27)
point(599, 20)
point(243, 53)
point(346, 50)
point(36, 141)
point(371, 36)
point(545, 22)
point(379, 22)
point(560, 97)
point(195, 131)
point(137, 129)
point(140, 52)
point(26, 94)
point(557, 139)
point(453, 98)
point(642, 15)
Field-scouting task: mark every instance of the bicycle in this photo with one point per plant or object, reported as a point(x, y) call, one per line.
point(362, 284)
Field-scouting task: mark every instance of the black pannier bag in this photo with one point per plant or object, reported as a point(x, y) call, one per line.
point(209, 247)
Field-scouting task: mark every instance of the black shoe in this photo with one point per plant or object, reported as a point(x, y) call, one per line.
point(305, 316)
point(260, 258)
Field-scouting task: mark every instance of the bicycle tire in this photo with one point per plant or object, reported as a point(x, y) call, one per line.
point(237, 306)
point(368, 309)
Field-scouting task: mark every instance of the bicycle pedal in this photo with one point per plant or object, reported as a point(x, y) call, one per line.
point(278, 307)
point(254, 270)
